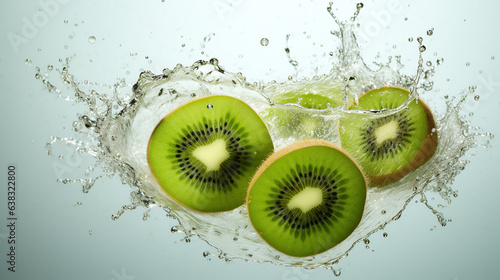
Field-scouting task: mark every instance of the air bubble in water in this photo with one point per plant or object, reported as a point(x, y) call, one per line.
point(467, 64)
point(492, 57)
point(264, 42)
point(385, 234)
point(439, 61)
point(410, 39)
point(27, 62)
point(422, 48)
point(430, 32)
point(210, 106)
point(92, 39)
point(476, 97)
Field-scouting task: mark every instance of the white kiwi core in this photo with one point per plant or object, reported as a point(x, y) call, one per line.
point(212, 155)
point(386, 132)
point(307, 199)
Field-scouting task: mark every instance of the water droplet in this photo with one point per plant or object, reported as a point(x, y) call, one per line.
point(37, 76)
point(210, 106)
point(383, 212)
point(264, 42)
point(428, 63)
point(492, 57)
point(406, 18)
point(476, 97)
point(384, 234)
point(214, 61)
point(92, 39)
point(422, 48)
point(27, 62)
point(331, 53)
point(420, 40)
point(467, 64)
point(367, 241)
point(183, 45)
point(50, 67)
point(410, 39)
point(235, 239)
point(430, 32)
point(193, 95)
point(65, 21)
point(359, 5)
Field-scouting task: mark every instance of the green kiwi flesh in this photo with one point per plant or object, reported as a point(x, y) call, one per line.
point(204, 153)
point(306, 198)
point(391, 146)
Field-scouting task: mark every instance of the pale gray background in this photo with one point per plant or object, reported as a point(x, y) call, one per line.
point(53, 231)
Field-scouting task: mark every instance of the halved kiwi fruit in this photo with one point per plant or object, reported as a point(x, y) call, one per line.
point(391, 146)
point(306, 198)
point(299, 123)
point(205, 152)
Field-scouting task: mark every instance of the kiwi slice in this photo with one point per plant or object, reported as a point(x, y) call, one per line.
point(391, 146)
point(205, 152)
point(298, 123)
point(306, 198)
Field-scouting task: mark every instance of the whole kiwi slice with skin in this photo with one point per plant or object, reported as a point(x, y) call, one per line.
point(391, 146)
point(306, 198)
point(204, 153)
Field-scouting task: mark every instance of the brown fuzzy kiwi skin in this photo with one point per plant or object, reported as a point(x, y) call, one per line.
point(427, 150)
point(292, 147)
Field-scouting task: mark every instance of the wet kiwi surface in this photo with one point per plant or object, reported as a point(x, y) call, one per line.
point(205, 152)
point(391, 146)
point(306, 198)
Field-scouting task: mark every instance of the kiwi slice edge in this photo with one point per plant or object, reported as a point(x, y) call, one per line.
point(357, 209)
point(263, 147)
point(426, 151)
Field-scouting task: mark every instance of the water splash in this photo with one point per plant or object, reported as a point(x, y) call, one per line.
point(116, 126)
